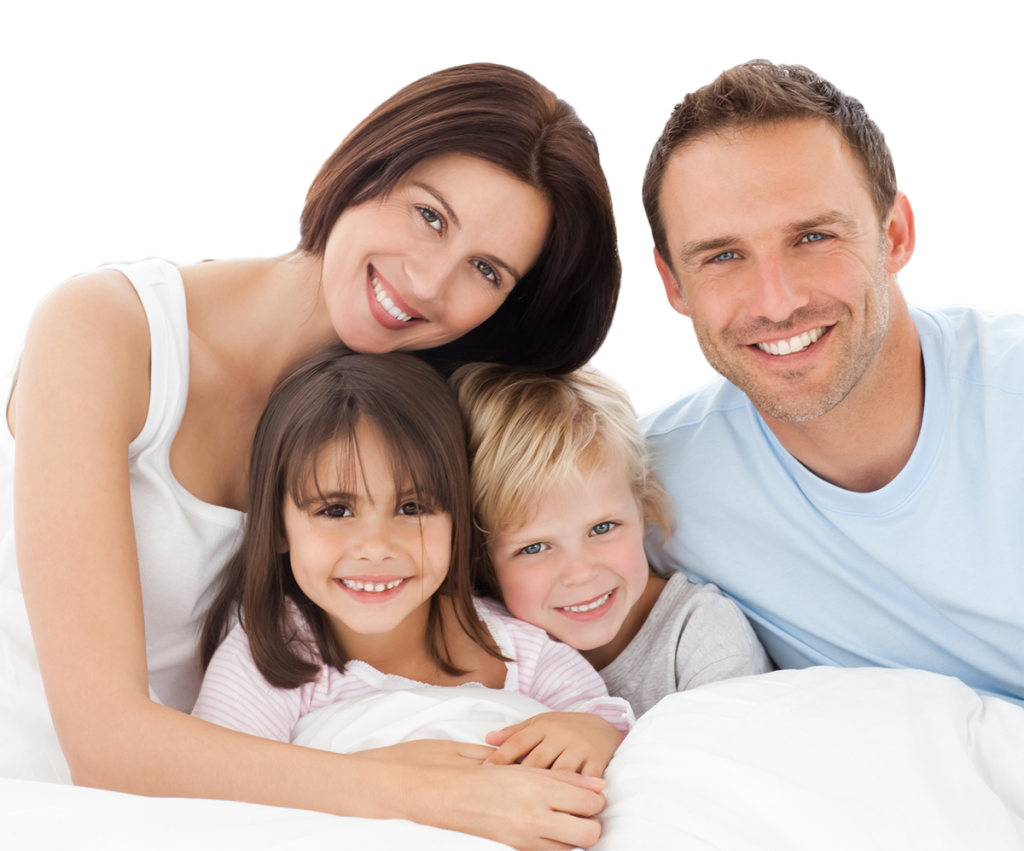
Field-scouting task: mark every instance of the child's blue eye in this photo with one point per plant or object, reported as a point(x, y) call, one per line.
point(533, 549)
point(603, 528)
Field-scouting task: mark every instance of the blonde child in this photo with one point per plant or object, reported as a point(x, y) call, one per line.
point(563, 497)
point(353, 577)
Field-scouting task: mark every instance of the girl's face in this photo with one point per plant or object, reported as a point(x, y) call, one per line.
point(371, 557)
point(434, 258)
point(579, 566)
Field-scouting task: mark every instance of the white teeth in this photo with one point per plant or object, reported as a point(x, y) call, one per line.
point(386, 302)
point(373, 587)
point(793, 344)
point(589, 607)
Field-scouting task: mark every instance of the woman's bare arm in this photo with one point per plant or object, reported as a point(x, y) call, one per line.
point(82, 396)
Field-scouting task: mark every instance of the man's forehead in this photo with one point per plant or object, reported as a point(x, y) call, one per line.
point(714, 185)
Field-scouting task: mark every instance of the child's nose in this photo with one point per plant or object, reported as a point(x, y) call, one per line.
point(579, 570)
point(375, 543)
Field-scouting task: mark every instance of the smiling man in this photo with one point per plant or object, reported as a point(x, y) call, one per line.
point(856, 480)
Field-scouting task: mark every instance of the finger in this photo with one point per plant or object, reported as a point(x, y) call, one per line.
point(569, 760)
point(543, 755)
point(591, 784)
point(498, 737)
point(476, 753)
point(594, 766)
point(517, 746)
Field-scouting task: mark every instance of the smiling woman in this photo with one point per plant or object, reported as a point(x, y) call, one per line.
point(467, 216)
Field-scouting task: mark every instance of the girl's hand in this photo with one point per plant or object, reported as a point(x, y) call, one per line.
point(574, 741)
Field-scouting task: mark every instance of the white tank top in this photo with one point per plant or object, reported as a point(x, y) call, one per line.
point(182, 541)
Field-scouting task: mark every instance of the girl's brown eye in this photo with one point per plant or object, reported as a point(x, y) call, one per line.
point(412, 508)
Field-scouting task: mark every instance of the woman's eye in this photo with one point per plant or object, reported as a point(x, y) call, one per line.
point(724, 256)
point(603, 528)
point(411, 508)
point(488, 271)
point(813, 237)
point(533, 549)
point(432, 218)
point(336, 511)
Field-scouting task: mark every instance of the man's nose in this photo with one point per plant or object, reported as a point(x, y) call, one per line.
point(775, 290)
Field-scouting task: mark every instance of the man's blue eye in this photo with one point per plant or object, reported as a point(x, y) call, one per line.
point(725, 255)
point(603, 528)
point(813, 237)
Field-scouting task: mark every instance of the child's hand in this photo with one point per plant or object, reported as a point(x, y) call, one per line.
point(575, 741)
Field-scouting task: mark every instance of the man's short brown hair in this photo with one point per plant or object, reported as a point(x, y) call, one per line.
point(758, 93)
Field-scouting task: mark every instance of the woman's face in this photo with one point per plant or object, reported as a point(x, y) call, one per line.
point(434, 258)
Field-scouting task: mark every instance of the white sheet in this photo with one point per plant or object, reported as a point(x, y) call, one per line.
point(824, 759)
point(464, 714)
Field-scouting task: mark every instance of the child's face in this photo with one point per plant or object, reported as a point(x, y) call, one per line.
point(579, 566)
point(370, 558)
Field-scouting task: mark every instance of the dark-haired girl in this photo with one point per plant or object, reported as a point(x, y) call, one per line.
point(353, 576)
point(466, 217)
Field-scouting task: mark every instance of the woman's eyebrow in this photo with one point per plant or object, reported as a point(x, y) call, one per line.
point(490, 258)
point(440, 200)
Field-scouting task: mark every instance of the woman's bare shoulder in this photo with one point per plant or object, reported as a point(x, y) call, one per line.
point(90, 335)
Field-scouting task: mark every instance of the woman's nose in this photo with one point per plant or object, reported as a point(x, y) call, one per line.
point(430, 275)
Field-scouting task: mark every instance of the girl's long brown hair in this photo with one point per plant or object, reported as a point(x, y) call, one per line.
point(316, 407)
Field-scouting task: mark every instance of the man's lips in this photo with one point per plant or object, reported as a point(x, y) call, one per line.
point(793, 344)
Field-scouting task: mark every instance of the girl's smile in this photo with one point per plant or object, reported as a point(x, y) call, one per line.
point(367, 553)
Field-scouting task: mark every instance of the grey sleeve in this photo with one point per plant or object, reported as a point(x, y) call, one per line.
point(716, 642)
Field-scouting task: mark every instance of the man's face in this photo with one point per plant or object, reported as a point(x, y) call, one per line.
point(778, 257)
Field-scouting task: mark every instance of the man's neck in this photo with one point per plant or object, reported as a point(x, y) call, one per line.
point(864, 441)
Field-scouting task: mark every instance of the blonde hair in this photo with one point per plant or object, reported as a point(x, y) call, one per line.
point(530, 432)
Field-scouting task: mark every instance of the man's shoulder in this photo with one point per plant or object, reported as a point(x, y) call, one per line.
point(718, 399)
point(978, 347)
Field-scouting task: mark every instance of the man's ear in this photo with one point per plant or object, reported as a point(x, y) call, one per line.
point(899, 235)
point(672, 289)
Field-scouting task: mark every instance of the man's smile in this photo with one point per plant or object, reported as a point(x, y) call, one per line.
point(796, 343)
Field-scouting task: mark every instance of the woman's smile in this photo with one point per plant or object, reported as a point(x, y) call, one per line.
point(432, 259)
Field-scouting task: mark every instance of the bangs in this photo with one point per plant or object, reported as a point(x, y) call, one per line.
point(325, 462)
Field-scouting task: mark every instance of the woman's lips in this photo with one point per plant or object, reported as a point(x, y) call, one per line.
point(385, 304)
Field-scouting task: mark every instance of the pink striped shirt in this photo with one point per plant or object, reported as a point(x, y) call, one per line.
point(234, 693)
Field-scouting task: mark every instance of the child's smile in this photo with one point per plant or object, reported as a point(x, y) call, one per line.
point(578, 567)
point(368, 554)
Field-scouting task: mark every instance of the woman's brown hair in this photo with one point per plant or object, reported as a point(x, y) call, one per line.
point(318, 406)
point(559, 313)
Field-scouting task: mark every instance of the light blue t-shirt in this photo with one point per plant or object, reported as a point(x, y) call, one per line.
point(927, 572)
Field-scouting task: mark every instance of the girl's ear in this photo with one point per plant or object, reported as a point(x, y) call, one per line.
point(282, 543)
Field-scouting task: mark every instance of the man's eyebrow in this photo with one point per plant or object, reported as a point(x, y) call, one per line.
point(834, 217)
point(701, 246)
point(490, 258)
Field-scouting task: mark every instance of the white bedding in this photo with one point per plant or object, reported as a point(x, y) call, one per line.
point(464, 714)
point(824, 759)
